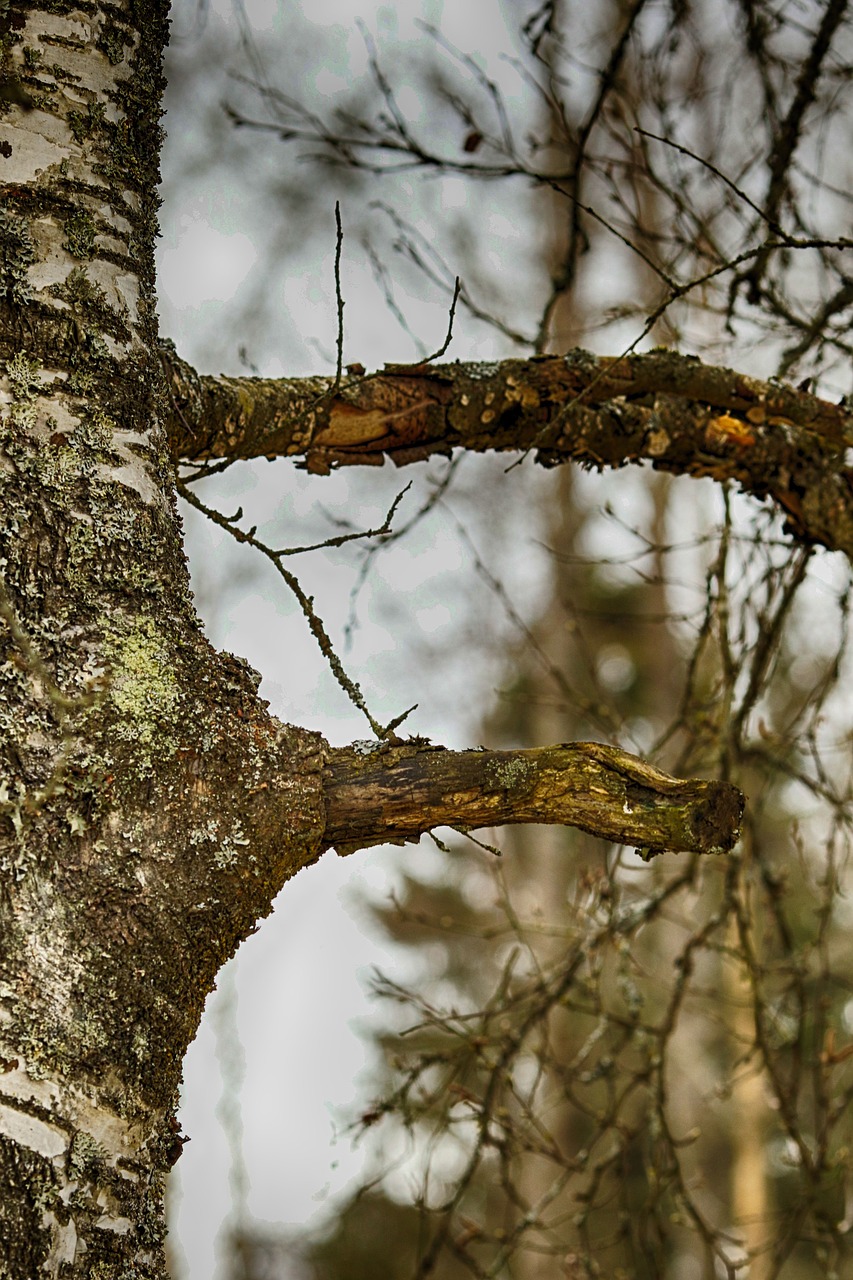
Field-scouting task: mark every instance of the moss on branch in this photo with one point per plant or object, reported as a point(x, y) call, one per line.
point(382, 793)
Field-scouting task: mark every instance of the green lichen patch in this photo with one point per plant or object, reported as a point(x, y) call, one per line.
point(112, 40)
point(145, 692)
point(83, 124)
point(23, 374)
point(510, 773)
point(24, 381)
point(78, 289)
point(96, 431)
point(17, 254)
point(80, 234)
point(85, 1156)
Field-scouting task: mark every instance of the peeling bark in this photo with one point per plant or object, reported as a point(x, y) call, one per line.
point(663, 408)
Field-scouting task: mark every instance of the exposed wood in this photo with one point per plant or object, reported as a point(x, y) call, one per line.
point(376, 794)
point(661, 407)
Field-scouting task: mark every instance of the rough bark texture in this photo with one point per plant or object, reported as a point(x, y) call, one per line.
point(378, 793)
point(663, 408)
point(149, 807)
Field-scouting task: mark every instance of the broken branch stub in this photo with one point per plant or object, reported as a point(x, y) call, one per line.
point(381, 793)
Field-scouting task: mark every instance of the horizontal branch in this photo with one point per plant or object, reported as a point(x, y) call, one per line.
point(668, 409)
point(378, 793)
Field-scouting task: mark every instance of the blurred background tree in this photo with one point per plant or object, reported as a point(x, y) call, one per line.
point(600, 1068)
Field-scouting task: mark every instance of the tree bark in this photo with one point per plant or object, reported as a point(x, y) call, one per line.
point(663, 408)
point(378, 793)
point(149, 806)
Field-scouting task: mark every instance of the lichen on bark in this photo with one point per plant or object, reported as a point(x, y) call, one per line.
point(132, 762)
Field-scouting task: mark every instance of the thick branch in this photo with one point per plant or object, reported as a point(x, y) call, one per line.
point(668, 409)
point(377, 793)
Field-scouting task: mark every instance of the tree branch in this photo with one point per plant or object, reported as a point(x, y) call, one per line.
point(668, 409)
point(379, 793)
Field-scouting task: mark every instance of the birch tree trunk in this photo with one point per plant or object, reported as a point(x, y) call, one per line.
point(150, 808)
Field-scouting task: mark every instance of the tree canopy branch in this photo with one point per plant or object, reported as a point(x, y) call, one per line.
point(668, 409)
point(378, 793)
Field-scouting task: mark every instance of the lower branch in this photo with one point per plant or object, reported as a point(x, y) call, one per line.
point(377, 793)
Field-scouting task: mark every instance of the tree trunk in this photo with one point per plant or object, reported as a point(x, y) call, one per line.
point(149, 807)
